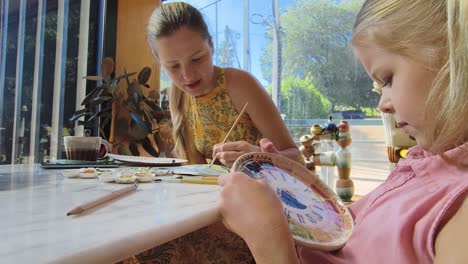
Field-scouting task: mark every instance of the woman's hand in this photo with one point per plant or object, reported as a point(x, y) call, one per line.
point(293, 153)
point(267, 146)
point(252, 209)
point(228, 152)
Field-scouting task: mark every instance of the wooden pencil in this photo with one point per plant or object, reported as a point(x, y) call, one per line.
point(230, 130)
point(103, 199)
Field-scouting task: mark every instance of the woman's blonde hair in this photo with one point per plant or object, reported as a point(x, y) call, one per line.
point(433, 33)
point(165, 20)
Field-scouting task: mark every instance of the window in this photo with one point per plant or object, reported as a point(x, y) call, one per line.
point(40, 60)
point(307, 41)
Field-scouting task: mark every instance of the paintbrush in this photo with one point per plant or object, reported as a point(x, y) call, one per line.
point(230, 130)
point(194, 181)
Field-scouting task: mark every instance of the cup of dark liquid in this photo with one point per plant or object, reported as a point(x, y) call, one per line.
point(83, 148)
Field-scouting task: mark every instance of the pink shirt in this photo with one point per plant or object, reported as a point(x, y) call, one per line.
point(398, 222)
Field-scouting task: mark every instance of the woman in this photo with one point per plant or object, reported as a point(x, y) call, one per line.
point(204, 99)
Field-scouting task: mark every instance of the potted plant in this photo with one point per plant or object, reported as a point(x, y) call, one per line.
point(132, 114)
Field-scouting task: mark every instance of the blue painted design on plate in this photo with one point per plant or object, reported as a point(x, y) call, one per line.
point(290, 199)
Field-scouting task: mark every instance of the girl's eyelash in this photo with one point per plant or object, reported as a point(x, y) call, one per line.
point(387, 82)
point(378, 88)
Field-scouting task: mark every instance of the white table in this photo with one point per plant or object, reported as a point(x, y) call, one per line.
point(35, 228)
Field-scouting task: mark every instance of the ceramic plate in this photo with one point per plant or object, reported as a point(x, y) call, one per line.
point(317, 218)
point(147, 160)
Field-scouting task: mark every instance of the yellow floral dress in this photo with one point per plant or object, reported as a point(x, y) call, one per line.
point(209, 118)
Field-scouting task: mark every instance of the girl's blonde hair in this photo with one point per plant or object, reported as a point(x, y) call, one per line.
point(165, 20)
point(434, 33)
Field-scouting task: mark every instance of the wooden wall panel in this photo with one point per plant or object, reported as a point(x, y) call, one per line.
point(132, 49)
point(132, 53)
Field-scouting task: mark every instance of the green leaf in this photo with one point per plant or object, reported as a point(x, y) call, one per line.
point(115, 81)
point(153, 105)
point(80, 111)
point(103, 114)
point(101, 99)
point(137, 132)
point(148, 118)
point(134, 87)
point(91, 118)
point(144, 75)
point(79, 114)
point(107, 109)
point(87, 123)
point(148, 146)
point(90, 96)
point(136, 97)
point(137, 119)
point(106, 91)
point(134, 149)
point(126, 75)
point(105, 122)
point(130, 106)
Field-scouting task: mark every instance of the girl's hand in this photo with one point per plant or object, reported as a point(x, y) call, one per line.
point(228, 152)
point(251, 209)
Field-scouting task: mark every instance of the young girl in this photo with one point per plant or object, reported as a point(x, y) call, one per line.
point(417, 52)
point(204, 99)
